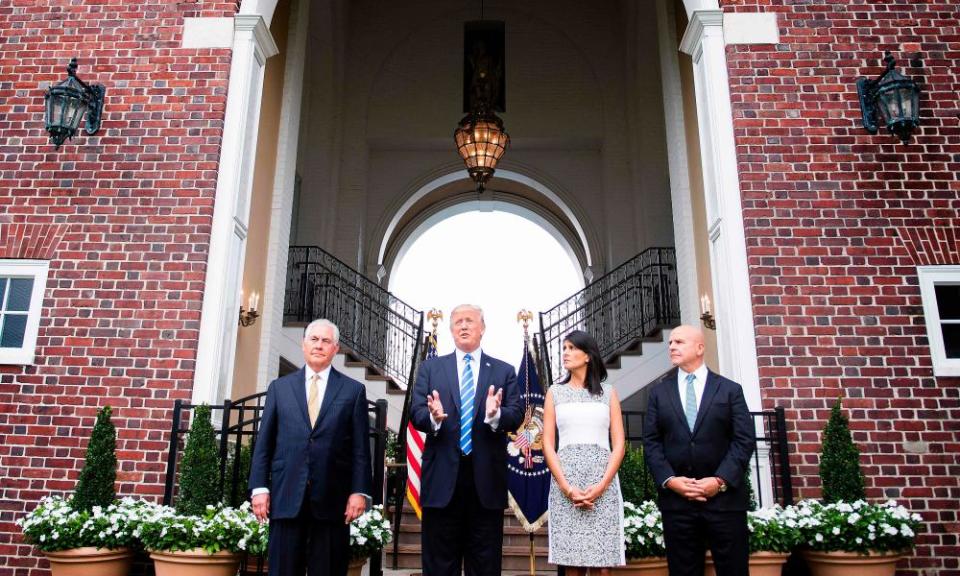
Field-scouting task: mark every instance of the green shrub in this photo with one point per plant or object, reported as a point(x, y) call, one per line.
point(95, 487)
point(636, 482)
point(200, 468)
point(840, 472)
point(235, 495)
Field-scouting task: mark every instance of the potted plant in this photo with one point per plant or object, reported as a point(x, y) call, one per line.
point(636, 481)
point(643, 535)
point(369, 533)
point(90, 531)
point(200, 533)
point(844, 533)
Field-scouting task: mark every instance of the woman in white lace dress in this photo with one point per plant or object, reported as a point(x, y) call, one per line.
point(586, 508)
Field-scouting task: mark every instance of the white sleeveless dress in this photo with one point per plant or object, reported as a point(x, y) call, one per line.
point(581, 537)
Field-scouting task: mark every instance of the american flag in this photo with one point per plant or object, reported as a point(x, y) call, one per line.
point(415, 440)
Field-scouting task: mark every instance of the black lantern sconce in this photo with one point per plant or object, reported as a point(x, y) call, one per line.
point(892, 100)
point(66, 104)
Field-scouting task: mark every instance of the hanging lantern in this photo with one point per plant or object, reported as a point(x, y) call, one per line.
point(892, 100)
point(66, 104)
point(481, 142)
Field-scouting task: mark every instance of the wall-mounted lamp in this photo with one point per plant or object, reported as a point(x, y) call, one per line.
point(706, 316)
point(249, 315)
point(67, 102)
point(892, 100)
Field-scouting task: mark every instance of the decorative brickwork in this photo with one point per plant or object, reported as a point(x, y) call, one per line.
point(124, 217)
point(836, 222)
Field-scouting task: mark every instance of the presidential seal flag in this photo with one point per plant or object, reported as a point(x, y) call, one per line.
point(528, 478)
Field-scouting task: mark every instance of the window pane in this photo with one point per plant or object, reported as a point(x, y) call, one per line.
point(951, 340)
point(20, 290)
point(948, 301)
point(3, 290)
point(14, 326)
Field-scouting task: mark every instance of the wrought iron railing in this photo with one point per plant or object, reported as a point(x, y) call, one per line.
point(374, 324)
point(630, 302)
point(240, 424)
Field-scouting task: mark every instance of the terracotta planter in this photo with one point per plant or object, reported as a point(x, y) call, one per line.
point(643, 567)
point(90, 561)
point(355, 568)
point(761, 564)
point(851, 563)
point(196, 562)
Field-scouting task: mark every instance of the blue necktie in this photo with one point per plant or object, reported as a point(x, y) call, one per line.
point(466, 406)
point(690, 410)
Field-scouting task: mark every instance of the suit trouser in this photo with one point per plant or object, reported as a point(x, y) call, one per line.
point(689, 533)
point(305, 544)
point(463, 533)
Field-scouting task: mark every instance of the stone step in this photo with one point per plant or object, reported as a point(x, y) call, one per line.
point(515, 558)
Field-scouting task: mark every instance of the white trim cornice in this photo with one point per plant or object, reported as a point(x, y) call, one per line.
point(263, 42)
point(692, 41)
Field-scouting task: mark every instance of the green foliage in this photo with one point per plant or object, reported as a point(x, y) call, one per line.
point(840, 461)
point(236, 497)
point(216, 528)
point(774, 529)
point(369, 533)
point(857, 526)
point(200, 468)
point(643, 530)
point(95, 487)
point(748, 482)
point(55, 524)
point(636, 481)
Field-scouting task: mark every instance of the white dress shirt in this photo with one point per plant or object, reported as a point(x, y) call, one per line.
point(475, 357)
point(698, 384)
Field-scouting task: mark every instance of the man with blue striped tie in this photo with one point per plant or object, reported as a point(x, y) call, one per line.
point(463, 486)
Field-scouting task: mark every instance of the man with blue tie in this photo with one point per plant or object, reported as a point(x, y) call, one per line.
point(463, 486)
point(698, 437)
point(310, 473)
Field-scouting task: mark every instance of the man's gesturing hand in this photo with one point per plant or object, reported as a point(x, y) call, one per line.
point(435, 407)
point(493, 401)
point(261, 506)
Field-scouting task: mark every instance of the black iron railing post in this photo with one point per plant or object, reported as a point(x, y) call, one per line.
point(224, 427)
point(783, 458)
point(379, 469)
point(172, 454)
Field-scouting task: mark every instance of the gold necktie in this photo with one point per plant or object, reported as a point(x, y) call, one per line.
point(313, 399)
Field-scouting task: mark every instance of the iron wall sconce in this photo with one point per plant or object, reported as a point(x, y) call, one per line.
point(249, 315)
point(66, 104)
point(706, 316)
point(892, 100)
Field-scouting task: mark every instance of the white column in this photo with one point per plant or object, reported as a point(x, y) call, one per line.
point(282, 204)
point(703, 40)
point(252, 46)
point(677, 163)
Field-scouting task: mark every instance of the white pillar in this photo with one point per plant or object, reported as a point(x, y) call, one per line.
point(703, 40)
point(282, 203)
point(252, 46)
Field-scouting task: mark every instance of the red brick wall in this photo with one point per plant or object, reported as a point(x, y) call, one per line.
point(835, 221)
point(124, 218)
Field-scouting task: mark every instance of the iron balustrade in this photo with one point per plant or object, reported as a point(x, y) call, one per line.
point(633, 300)
point(239, 426)
point(374, 324)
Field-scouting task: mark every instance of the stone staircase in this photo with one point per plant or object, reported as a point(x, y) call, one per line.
point(516, 547)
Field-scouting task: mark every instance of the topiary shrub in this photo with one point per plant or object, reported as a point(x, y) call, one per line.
point(636, 481)
point(840, 472)
point(200, 467)
point(238, 470)
point(95, 487)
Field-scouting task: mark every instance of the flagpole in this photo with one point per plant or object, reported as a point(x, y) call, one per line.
point(525, 316)
point(533, 557)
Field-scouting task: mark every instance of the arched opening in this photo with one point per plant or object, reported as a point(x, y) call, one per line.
point(503, 258)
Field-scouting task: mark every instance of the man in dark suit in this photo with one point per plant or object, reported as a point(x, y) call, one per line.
point(463, 486)
point(698, 436)
point(311, 472)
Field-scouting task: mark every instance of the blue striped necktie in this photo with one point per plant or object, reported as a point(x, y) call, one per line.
point(466, 406)
point(690, 410)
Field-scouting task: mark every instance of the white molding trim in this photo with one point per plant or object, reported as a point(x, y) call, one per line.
point(929, 277)
point(750, 28)
point(274, 289)
point(38, 270)
point(677, 164)
point(736, 337)
point(211, 32)
point(216, 346)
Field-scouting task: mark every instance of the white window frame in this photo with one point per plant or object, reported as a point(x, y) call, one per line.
point(930, 277)
point(36, 269)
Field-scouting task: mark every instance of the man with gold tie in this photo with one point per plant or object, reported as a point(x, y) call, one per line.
point(311, 472)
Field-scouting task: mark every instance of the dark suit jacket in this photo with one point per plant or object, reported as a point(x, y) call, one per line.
point(441, 454)
point(326, 463)
point(721, 443)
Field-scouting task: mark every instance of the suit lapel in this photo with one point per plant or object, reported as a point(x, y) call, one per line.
point(709, 393)
point(673, 392)
point(453, 389)
point(483, 384)
point(300, 394)
point(331, 392)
